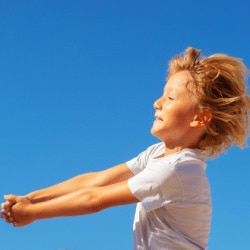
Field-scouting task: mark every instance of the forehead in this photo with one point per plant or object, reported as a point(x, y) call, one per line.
point(178, 80)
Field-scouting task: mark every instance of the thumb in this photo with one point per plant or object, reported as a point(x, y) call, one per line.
point(10, 198)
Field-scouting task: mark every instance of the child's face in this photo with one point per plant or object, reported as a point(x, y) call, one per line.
point(175, 111)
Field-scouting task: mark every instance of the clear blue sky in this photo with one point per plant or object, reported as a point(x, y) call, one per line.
point(77, 83)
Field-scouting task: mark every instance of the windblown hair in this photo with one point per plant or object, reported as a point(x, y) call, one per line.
point(219, 83)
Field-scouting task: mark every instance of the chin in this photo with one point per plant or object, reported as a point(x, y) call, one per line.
point(154, 133)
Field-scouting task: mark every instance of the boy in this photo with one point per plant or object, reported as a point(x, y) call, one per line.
point(204, 109)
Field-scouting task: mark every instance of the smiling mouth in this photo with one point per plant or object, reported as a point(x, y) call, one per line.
point(157, 118)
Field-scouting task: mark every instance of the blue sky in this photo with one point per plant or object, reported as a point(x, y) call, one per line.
point(77, 83)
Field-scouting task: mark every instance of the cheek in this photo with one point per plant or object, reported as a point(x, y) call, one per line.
point(183, 115)
point(188, 116)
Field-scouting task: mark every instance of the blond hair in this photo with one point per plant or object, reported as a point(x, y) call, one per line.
point(220, 85)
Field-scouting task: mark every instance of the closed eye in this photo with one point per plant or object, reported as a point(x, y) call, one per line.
point(170, 98)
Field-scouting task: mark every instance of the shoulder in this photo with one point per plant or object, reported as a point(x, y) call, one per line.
point(138, 163)
point(156, 149)
point(189, 167)
point(187, 158)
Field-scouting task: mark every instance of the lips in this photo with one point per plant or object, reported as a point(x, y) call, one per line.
point(158, 118)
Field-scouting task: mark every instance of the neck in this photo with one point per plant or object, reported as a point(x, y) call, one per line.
point(169, 151)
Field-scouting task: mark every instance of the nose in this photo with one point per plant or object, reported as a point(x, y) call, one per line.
point(158, 103)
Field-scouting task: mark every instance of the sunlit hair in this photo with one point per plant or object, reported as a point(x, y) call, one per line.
point(220, 85)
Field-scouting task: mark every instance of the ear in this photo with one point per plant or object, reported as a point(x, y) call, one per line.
point(201, 119)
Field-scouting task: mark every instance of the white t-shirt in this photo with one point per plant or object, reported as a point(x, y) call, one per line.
point(174, 211)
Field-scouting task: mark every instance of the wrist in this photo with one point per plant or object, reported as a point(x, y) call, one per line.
point(30, 197)
point(33, 211)
point(33, 197)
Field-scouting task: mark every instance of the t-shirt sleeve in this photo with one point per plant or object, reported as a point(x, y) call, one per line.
point(137, 164)
point(156, 186)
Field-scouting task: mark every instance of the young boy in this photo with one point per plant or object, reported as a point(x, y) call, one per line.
point(204, 109)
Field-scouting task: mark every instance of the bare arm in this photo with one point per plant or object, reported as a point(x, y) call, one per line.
point(97, 179)
point(80, 202)
point(110, 176)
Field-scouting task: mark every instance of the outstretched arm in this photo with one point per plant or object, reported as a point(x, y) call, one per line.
point(79, 202)
point(103, 178)
point(97, 179)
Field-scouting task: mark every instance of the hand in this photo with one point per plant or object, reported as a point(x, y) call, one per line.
point(17, 210)
point(6, 207)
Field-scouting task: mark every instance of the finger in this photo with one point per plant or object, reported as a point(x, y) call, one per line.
point(10, 198)
point(15, 224)
point(6, 205)
point(3, 214)
point(4, 217)
point(10, 219)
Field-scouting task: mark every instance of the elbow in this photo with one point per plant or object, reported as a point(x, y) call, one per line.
point(92, 201)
